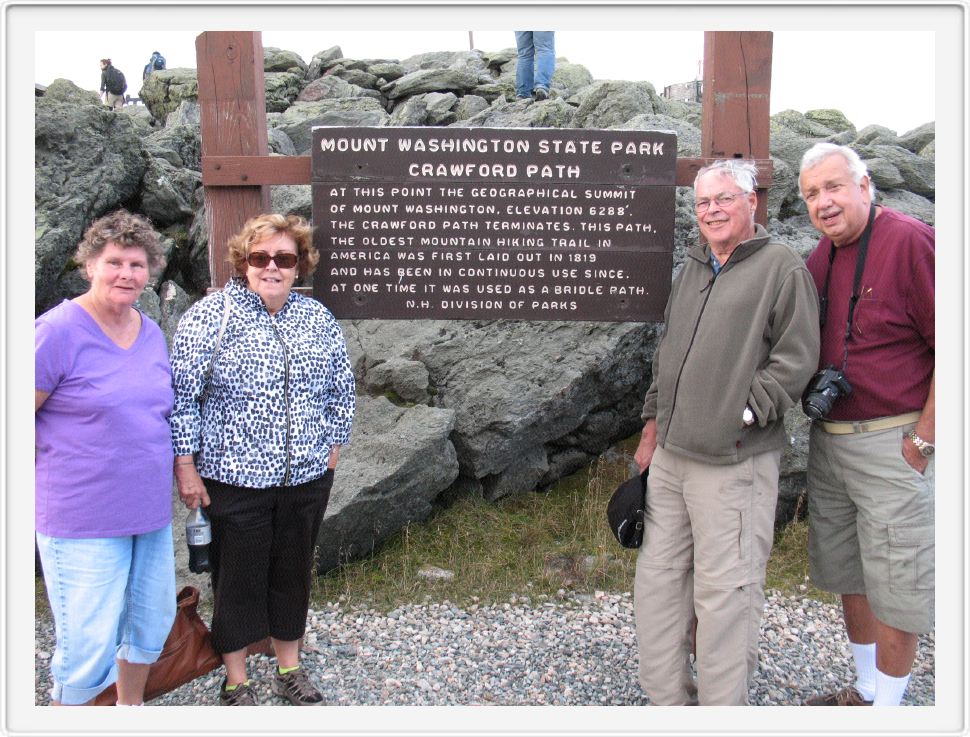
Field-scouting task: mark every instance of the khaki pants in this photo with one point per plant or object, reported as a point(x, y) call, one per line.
point(706, 543)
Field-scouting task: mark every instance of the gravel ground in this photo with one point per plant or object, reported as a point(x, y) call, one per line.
point(574, 650)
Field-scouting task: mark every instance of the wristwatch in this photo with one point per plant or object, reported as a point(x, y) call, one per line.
point(925, 449)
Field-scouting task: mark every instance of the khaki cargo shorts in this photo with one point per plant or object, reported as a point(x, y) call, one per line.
point(872, 524)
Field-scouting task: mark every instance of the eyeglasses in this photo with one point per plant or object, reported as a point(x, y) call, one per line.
point(261, 259)
point(722, 200)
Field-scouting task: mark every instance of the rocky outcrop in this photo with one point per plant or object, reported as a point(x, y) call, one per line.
point(446, 408)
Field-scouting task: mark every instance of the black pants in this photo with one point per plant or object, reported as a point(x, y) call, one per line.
point(262, 558)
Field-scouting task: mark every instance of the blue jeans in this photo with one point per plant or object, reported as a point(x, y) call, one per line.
point(540, 47)
point(112, 598)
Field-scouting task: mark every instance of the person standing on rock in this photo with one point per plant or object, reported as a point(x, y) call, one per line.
point(264, 400)
point(740, 344)
point(536, 64)
point(103, 469)
point(870, 466)
point(113, 85)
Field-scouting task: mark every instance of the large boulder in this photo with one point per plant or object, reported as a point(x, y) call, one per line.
point(168, 192)
point(611, 104)
point(519, 389)
point(431, 80)
point(88, 160)
point(165, 90)
point(398, 461)
point(298, 119)
point(522, 114)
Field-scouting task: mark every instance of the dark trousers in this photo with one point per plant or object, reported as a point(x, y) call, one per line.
point(262, 558)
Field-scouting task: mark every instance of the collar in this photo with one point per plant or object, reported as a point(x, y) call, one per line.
point(702, 252)
point(237, 288)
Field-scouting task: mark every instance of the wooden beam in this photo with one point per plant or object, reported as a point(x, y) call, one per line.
point(735, 108)
point(232, 103)
point(233, 171)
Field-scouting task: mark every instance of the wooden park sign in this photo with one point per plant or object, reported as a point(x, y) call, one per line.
point(485, 223)
point(237, 172)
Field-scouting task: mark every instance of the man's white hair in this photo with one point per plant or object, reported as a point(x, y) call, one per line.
point(821, 151)
point(743, 172)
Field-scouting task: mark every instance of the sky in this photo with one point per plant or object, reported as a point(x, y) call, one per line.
point(898, 94)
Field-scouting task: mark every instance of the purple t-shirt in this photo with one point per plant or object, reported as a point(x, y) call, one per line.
point(103, 446)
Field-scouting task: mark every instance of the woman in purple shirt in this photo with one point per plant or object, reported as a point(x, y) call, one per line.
point(103, 394)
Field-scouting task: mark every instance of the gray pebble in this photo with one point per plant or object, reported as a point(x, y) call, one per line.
point(575, 649)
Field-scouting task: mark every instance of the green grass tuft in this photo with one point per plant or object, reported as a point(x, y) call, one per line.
point(539, 545)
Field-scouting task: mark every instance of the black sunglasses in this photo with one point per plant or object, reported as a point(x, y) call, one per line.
point(261, 259)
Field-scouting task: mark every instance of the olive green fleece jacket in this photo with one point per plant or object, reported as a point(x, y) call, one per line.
point(747, 336)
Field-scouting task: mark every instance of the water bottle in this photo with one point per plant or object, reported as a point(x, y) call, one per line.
point(198, 535)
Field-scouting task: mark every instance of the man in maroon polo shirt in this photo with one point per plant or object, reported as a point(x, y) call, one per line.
point(870, 469)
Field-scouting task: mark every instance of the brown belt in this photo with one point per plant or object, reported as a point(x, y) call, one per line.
point(881, 423)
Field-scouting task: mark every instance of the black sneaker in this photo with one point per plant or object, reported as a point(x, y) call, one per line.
point(540, 94)
point(297, 688)
point(241, 695)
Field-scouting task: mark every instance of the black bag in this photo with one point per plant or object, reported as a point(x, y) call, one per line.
point(627, 509)
point(115, 81)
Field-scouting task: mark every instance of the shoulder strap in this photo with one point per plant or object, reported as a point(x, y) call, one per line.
point(215, 350)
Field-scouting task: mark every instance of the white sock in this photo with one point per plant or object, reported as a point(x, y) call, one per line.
point(865, 668)
point(889, 690)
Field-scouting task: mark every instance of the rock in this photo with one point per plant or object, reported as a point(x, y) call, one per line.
point(918, 138)
point(798, 123)
point(292, 199)
point(399, 379)
point(298, 120)
point(883, 173)
point(430, 80)
point(282, 89)
point(522, 114)
point(88, 161)
point(688, 135)
point(510, 402)
point(918, 174)
point(909, 203)
point(831, 119)
point(433, 573)
point(279, 143)
point(330, 86)
point(322, 60)
point(434, 108)
point(180, 144)
point(172, 304)
point(610, 104)
point(399, 459)
point(872, 134)
point(470, 106)
point(166, 89)
point(167, 192)
point(277, 60)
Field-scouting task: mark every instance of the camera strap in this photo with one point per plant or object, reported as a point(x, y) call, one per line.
point(856, 281)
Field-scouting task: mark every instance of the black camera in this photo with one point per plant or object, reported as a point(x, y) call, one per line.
point(823, 390)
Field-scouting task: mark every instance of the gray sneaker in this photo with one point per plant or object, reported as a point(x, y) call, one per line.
point(241, 695)
point(297, 687)
point(540, 93)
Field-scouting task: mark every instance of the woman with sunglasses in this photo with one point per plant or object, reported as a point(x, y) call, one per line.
point(260, 415)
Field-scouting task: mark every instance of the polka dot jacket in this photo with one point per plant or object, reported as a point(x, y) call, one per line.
point(280, 395)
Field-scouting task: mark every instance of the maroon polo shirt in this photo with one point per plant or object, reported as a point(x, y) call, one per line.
point(892, 347)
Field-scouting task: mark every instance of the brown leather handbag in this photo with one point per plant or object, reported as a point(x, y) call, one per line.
point(187, 654)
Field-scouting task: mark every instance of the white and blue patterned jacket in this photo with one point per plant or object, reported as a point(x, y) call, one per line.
point(280, 396)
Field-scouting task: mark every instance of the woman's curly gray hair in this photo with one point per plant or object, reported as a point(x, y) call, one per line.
point(124, 229)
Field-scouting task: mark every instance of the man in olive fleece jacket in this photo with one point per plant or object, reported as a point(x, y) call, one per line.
point(740, 345)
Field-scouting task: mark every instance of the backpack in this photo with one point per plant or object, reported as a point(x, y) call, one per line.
point(158, 62)
point(115, 81)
